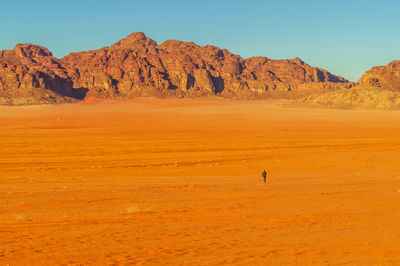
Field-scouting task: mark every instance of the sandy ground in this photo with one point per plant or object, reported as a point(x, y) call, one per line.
point(179, 182)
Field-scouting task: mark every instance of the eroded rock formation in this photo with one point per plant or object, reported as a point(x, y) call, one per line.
point(137, 66)
point(387, 77)
point(354, 98)
point(30, 74)
point(378, 88)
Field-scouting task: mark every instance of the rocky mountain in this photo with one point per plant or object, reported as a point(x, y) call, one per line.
point(379, 88)
point(30, 74)
point(354, 98)
point(138, 66)
point(387, 77)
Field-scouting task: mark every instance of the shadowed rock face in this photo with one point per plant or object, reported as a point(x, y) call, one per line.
point(137, 66)
point(29, 74)
point(387, 77)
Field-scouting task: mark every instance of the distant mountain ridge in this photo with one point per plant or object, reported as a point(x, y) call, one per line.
point(138, 66)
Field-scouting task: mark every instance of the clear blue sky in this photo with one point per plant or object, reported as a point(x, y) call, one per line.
point(346, 37)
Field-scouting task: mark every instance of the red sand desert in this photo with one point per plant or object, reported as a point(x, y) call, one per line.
point(173, 181)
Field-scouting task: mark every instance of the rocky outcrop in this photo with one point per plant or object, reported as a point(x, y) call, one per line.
point(137, 66)
point(29, 74)
point(387, 77)
point(378, 88)
point(354, 98)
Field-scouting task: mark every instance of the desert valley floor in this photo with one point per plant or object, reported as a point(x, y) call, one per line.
point(156, 181)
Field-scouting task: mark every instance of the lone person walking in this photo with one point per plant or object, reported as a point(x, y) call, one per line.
point(264, 175)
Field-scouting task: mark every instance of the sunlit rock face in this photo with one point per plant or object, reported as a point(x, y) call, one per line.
point(387, 77)
point(30, 74)
point(138, 66)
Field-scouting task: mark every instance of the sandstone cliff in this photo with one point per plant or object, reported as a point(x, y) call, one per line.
point(30, 74)
point(354, 98)
point(378, 88)
point(387, 77)
point(137, 66)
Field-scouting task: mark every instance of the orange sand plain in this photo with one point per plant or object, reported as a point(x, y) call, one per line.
point(179, 181)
